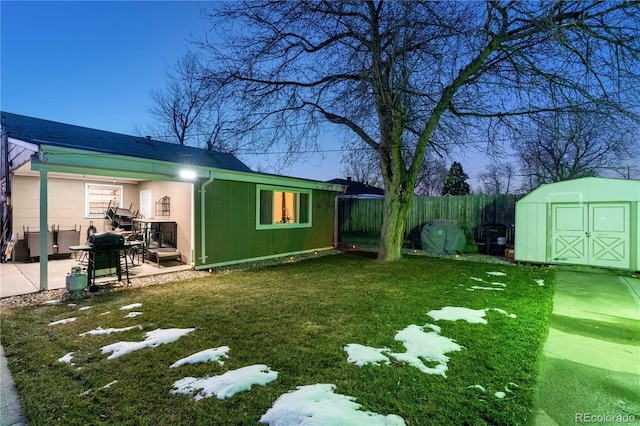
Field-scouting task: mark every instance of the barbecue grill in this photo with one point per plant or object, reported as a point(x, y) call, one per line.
point(106, 241)
point(104, 254)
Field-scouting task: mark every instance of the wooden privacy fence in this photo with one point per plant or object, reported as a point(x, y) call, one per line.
point(363, 216)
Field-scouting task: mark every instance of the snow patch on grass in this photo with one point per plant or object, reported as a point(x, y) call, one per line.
point(454, 313)
point(473, 316)
point(214, 354)
point(67, 358)
point(362, 355)
point(227, 384)
point(131, 306)
point(482, 388)
point(319, 405)
point(475, 287)
point(62, 321)
point(421, 346)
point(429, 346)
point(499, 394)
point(495, 283)
point(133, 314)
point(153, 339)
point(99, 331)
point(496, 274)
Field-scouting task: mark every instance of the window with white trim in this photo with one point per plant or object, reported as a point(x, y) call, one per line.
point(283, 208)
point(97, 198)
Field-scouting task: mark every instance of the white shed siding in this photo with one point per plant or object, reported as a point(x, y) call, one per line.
point(635, 244)
point(531, 226)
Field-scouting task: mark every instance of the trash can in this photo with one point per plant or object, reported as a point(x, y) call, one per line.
point(495, 239)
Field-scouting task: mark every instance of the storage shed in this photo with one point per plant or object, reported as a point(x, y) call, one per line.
point(589, 221)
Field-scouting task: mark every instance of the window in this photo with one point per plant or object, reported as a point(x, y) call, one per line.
point(97, 198)
point(283, 208)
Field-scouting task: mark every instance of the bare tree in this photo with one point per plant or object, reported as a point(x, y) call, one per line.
point(563, 146)
point(431, 178)
point(362, 165)
point(189, 109)
point(497, 179)
point(403, 76)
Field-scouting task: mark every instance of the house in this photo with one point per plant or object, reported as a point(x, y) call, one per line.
point(358, 189)
point(62, 176)
point(589, 221)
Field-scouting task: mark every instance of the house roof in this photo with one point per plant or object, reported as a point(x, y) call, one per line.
point(44, 132)
point(357, 188)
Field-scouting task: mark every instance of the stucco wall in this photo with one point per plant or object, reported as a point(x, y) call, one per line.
point(180, 195)
point(66, 204)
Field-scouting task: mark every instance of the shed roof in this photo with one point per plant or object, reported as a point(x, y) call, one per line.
point(585, 190)
point(44, 132)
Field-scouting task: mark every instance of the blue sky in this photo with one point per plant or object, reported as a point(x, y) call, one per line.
point(93, 63)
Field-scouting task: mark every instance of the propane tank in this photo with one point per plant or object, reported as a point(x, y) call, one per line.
point(76, 280)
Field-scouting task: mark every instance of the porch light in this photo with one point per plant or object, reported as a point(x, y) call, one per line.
point(187, 174)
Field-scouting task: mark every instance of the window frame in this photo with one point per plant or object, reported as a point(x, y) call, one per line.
point(280, 225)
point(87, 198)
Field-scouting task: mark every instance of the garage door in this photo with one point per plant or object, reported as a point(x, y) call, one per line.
point(591, 234)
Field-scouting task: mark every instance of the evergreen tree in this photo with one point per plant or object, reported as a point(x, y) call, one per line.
point(455, 183)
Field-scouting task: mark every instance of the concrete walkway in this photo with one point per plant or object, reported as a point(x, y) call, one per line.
point(590, 371)
point(10, 409)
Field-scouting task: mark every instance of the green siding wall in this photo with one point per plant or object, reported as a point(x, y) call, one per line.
point(230, 229)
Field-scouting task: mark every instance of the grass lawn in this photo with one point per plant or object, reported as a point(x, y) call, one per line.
point(295, 318)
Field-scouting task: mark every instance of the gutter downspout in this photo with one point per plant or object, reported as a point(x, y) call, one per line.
point(203, 249)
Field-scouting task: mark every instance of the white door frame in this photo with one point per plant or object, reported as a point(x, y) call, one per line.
point(593, 234)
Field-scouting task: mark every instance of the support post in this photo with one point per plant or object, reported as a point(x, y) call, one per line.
point(44, 234)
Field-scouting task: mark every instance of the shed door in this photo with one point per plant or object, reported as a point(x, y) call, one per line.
point(609, 238)
point(569, 233)
point(591, 234)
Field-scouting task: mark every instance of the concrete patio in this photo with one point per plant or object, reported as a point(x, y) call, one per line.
point(22, 278)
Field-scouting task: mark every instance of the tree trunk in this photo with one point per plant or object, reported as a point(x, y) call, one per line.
point(395, 211)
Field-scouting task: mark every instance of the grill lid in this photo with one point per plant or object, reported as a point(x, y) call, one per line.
point(106, 240)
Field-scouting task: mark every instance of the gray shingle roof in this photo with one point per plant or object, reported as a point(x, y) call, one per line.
point(45, 132)
point(357, 188)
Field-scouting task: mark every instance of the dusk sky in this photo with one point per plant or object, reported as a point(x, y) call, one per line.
point(93, 64)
